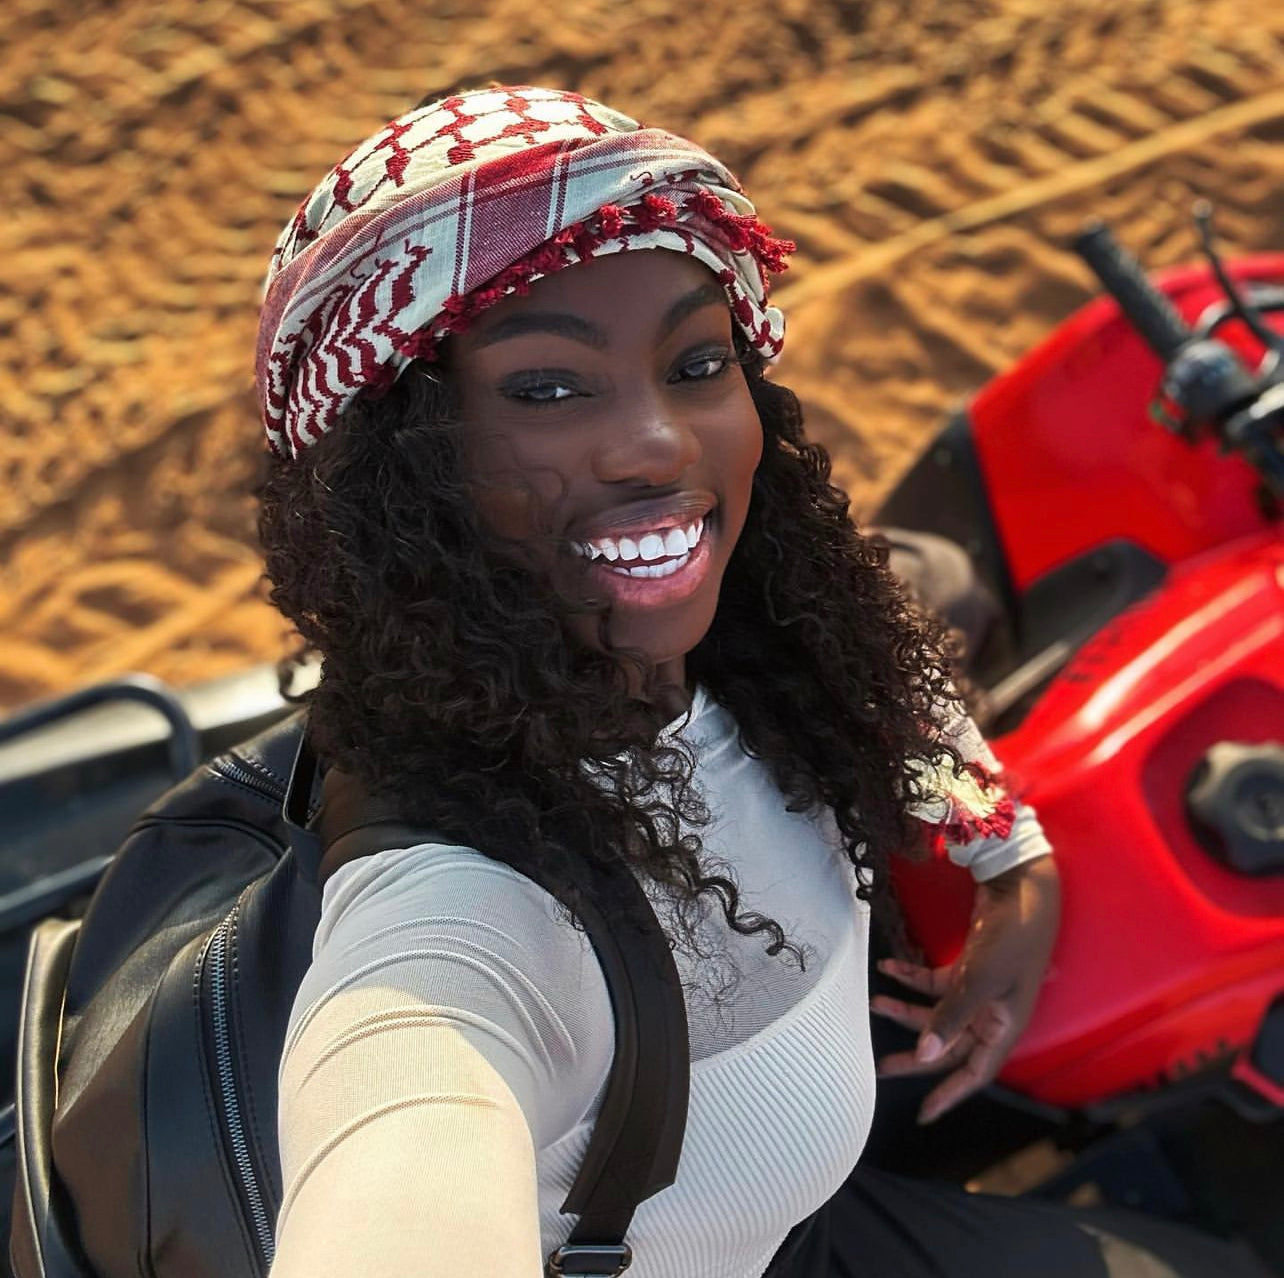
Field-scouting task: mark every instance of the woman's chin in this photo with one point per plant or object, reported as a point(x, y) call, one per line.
point(663, 639)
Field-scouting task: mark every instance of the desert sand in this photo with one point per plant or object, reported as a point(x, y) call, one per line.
point(931, 158)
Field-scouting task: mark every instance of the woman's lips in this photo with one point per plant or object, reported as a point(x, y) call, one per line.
point(639, 517)
point(659, 591)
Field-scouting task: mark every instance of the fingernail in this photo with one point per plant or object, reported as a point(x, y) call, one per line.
point(929, 1047)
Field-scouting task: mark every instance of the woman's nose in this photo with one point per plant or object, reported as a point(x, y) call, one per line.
point(646, 445)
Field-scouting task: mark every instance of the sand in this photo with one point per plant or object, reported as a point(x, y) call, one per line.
point(931, 159)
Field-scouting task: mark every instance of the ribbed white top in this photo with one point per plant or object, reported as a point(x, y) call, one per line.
point(433, 938)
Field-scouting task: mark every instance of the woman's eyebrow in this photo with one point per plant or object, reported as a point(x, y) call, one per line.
point(707, 294)
point(578, 329)
point(557, 322)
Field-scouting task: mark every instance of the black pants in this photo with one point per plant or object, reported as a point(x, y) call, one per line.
point(883, 1226)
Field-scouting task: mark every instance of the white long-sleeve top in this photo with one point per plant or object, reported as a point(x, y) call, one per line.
point(448, 1050)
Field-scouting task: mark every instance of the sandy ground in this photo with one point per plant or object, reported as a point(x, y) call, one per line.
point(931, 159)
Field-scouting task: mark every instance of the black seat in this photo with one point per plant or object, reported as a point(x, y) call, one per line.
point(940, 575)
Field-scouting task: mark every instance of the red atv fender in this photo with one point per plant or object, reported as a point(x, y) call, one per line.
point(1168, 957)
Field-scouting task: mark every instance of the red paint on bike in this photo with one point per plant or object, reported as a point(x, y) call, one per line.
point(1167, 958)
point(1071, 457)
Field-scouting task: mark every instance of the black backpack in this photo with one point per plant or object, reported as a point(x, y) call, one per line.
point(152, 1029)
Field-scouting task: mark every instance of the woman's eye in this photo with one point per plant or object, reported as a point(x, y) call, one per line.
point(540, 392)
point(704, 367)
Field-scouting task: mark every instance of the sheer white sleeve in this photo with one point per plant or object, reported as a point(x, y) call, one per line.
point(970, 813)
point(451, 1025)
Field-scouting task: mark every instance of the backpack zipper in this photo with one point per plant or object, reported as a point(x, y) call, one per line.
point(224, 766)
point(251, 1196)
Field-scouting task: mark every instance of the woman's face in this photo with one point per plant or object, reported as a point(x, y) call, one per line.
point(609, 428)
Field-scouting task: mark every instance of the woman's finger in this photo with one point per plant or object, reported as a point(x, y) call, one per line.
point(963, 1006)
point(932, 981)
point(970, 1077)
point(989, 1043)
point(909, 1064)
point(913, 1016)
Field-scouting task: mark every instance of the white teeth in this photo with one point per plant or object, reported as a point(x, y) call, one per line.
point(651, 546)
point(666, 569)
point(675, 544)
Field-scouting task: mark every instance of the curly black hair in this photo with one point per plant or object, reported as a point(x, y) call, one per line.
point(448, 680)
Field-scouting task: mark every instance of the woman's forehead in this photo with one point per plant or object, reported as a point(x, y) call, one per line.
point(640, 282)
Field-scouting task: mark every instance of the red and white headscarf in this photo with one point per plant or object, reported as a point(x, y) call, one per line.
point(453, 206)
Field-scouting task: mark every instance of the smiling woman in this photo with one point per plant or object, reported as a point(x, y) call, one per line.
point(631, 429)
point(582, 589)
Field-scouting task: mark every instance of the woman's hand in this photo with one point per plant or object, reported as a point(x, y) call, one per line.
point(983, 1000)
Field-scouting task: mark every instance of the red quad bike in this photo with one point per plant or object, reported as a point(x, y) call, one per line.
point(1122, 582)
point(1118, 495)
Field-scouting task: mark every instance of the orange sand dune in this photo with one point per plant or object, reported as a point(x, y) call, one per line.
point(930, 157)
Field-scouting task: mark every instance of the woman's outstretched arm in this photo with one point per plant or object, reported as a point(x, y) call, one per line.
point(452, 1025)
point(403, 1150)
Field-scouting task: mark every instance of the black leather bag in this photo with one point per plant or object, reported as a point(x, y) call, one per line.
point(152, 1032)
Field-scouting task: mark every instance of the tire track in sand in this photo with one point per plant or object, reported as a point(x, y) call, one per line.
point(874, 259)
point(929, 157)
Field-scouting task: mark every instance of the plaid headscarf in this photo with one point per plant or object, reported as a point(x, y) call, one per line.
point(453, 206)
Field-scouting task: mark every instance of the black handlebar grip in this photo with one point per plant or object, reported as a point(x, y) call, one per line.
point(1149, 311)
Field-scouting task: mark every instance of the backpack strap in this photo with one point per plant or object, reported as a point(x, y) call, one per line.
point(637, 1139)
point(39, 1243)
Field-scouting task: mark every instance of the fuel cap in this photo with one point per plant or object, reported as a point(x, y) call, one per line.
point(1235, 802)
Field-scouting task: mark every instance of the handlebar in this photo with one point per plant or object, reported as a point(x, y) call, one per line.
point(1149, 311)
point(1205, 386)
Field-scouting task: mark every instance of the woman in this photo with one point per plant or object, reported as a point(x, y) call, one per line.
point(578, 580)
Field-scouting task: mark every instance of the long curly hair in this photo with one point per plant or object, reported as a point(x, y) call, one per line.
point(448, 680)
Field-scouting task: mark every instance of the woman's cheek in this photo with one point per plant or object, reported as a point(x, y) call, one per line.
point(507, 507)
point(750, 457)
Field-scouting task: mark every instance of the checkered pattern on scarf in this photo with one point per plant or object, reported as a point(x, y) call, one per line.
point(453, 206)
